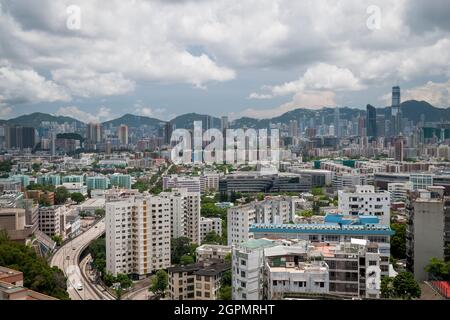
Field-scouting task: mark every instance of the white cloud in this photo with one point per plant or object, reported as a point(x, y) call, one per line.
point(306, 100)
point(26, 85)
point(437, 94)
point(103, 114)
point(319, 77)
point(132, 42)
point(86, 83)
point(160, 113)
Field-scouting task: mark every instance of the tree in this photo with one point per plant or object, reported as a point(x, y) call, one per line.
point(44, 202)
point(405, 286)
point(37, 274)
point(5, 166)
point(58, 240)
point(100, 212)
point(77, 197)
point(225, 285)
point(124, 280)
point(438, 269)
point(225, 293)
point(180, 247)
point(159, 282)
point(387, 289)
point(186, 259)
point(228, 258)
point(398, 241)
point(212, 238)
point(36, 167)
point(61, 195)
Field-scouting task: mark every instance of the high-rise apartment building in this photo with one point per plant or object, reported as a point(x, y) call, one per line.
point(138, 235)
point(94, 133)
point(428, 229)
point(17, 137)
point(123, 134)
point(185, 213)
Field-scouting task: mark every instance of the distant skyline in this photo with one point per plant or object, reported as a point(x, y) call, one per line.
point(255, 58)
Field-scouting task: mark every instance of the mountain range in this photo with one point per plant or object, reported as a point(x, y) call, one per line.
point(412, 110)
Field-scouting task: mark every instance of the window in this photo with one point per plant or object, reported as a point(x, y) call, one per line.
point(243, 274)
point(243, 263)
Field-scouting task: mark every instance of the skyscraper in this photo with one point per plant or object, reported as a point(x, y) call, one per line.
point(371, 122)
point(224, 124)
point(123, 134)
point(396, 111)
point(168, 129)
point(94, 133)
point(293, 128)
point(20, 137)
point(337, 122)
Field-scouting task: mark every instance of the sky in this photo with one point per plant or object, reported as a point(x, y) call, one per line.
point(97, 60)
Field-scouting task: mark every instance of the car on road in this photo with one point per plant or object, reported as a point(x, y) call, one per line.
point(79, 286)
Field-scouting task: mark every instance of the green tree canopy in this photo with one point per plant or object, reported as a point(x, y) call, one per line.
point(398, 241)
point(186, 260)
point(77, 197)
point(403, 286)
point(180, 247)
point(439, 269)
point(61, 195)
point(38, 275)
point(159, 282)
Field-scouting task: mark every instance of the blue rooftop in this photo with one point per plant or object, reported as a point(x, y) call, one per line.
point(333, 224)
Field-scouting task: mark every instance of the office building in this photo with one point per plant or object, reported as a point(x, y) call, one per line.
point(371, 122)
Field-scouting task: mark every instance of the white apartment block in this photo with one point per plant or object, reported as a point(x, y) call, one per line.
point(364, 200)
point(192, 184)
point(247, 263)
point(138, 235)
point(277, 210)
point(185, 213)
point(209, 182)
point(208, 225)
point(239, 220)
point(399, 191)
point(274, 210)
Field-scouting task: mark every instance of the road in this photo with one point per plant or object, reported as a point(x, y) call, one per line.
point(67, 259)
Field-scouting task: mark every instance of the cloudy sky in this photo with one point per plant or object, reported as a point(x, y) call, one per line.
point(96, 60)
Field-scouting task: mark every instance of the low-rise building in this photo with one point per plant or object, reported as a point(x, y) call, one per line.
point(212, 252)
point(208, 225)
point(200, 281)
